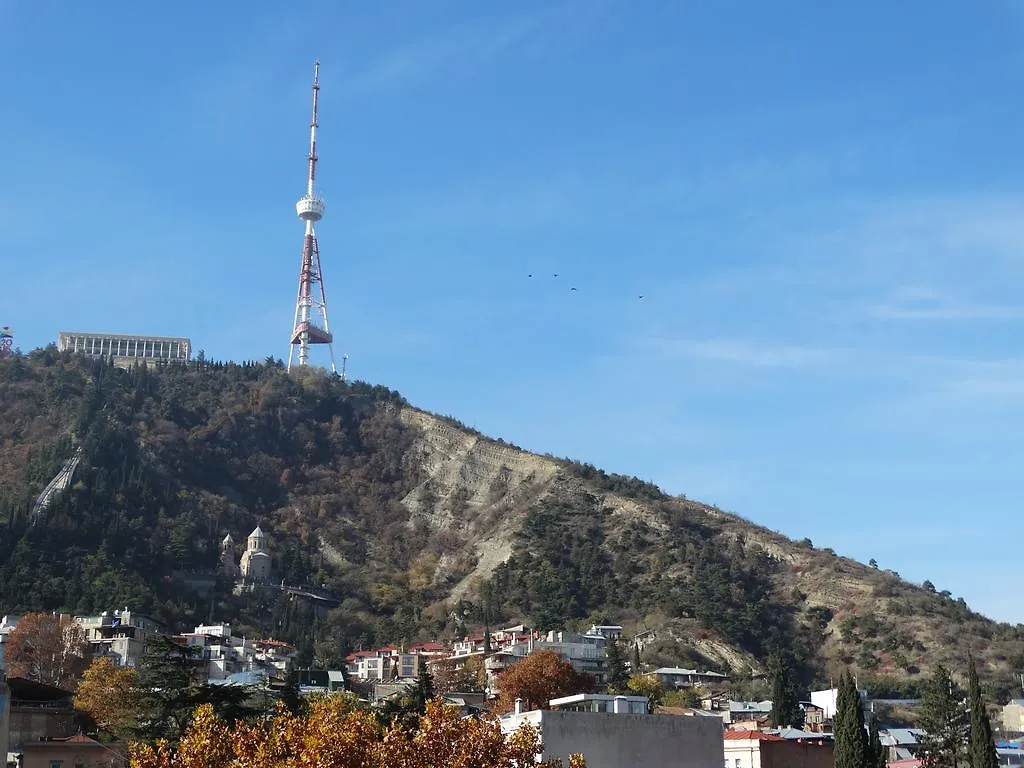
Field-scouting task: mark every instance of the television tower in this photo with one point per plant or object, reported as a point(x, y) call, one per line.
point(310, 325)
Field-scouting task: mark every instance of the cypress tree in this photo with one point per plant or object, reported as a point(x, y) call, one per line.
point(851, 744)
point(618, 677)
point(982, 745)
point(637, 665)
point(876, 752)
point(786, 709)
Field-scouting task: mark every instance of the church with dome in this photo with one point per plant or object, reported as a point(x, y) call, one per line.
point(255, 564)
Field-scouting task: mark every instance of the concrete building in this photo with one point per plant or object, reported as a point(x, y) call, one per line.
point(1013, 716)
point(756, 749)
point(122, 635)
point(622, 740)
point(126, 350)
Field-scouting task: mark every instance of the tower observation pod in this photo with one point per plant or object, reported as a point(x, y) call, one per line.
point(310, 325)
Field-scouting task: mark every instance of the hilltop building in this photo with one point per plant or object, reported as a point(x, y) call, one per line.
point(255, 563)
point(126, 350)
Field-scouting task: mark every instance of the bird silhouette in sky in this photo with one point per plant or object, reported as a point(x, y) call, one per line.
point(572, 289)
point(556, 274)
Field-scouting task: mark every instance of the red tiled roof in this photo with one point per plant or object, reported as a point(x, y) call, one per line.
point(752, 736)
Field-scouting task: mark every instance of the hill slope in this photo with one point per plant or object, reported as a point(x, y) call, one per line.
point(410, 520)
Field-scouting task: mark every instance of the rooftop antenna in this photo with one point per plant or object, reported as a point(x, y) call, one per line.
point(311, 301)
point(344, 366)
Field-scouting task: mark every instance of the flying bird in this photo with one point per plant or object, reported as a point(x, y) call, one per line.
point(572, 289)
point(556, 274)
point(529, 275)
point(641, 296)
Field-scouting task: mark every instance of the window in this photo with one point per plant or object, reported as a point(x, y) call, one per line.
point(738, 762)
point(56, 763)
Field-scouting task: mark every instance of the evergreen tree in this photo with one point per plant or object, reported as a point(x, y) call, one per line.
point(424, 691)
point(786, 709)
point(876, 752)
point(290, 695)
point(943, 718)
point(618, 675)
point(982, 745)
point(851, 744)
point(637, 664)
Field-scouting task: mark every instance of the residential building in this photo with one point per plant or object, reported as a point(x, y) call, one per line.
point(607, 631)
point(602, 702)
point(7, 623)
point(222, 653)
point(677, 677)
point(757, 749)
point(1013, 716)
point(76, 751)
point(587, 653)
point(126, 350)
point(395, 663)
point(618, 739)
point(814, 716)
point(274, 654)
point(122, 635)
point(826, 700)
point(900, 743)
point(37, 712)
point(748, 714)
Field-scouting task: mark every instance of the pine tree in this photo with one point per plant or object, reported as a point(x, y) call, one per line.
point(876, 752)
point(637, 664)
point(943, 718)
point(851, 744)
point(982, 745)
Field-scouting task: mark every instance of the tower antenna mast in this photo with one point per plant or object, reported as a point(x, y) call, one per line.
point(310, 325)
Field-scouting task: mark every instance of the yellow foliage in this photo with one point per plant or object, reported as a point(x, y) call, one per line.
point(109, 693)
point(336, 734)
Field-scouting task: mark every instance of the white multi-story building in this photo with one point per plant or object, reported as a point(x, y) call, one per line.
point(587, 653)
point(7, 623)
point(223, 653)
point(121, 635)
point(126, 350)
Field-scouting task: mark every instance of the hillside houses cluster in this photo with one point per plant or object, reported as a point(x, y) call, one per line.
point(613, 730)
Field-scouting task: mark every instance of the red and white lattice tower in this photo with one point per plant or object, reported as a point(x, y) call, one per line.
point(310, 325)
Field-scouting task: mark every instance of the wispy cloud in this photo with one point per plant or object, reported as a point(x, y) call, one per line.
point(742, 352)
point(924, 303)
point(460, 50)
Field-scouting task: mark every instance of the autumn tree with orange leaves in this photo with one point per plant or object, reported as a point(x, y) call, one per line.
point(47, 648)
point(537, 679)
point(336, 733)
point(109, 694)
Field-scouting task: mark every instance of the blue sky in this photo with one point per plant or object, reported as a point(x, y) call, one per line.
point(822, 205)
